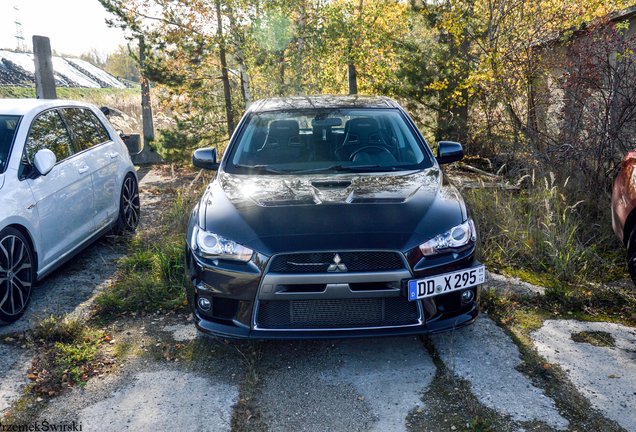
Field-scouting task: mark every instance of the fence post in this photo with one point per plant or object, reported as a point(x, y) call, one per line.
point(44, 79)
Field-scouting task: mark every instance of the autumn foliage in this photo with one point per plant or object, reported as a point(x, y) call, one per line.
point(531, 84)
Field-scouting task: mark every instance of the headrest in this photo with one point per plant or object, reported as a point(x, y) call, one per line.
point(365, 125)
point(284, 128)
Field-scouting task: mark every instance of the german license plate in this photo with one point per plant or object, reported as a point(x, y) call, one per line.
point(447, 282)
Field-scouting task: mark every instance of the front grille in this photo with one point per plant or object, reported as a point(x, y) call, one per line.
point(335, 314)
point(319, 262)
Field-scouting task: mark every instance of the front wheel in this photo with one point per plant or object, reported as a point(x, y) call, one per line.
point(17, 274)
point(129, 207)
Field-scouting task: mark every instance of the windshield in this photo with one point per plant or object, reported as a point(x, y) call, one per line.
point(8, 126)
point(307, 141)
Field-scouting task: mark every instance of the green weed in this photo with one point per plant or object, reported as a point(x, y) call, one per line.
point(541, 230)
point(67, 353)
point(152, 275)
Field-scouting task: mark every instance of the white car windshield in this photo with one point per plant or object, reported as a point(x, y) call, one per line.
point(327, 140)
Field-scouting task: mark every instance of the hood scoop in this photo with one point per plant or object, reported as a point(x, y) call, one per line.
point(331, 184)
point(359, 200)
point(287, 203)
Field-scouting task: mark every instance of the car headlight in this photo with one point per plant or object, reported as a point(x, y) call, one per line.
point(211, 245)
point(455, 239)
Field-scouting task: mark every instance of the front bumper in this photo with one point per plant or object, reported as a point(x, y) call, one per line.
point(246, 300)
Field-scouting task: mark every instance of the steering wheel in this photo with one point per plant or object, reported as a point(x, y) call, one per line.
point(374, 150)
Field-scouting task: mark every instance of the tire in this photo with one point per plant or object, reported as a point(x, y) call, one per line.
point(129, 208)
point(17, 274)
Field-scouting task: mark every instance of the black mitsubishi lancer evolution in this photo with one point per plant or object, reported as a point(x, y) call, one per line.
point(330, 217)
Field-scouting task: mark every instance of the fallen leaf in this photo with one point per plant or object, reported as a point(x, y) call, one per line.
point(361, 398)
point(33, 376)
point(547, 366)
point(419, 410)
point(613, 376)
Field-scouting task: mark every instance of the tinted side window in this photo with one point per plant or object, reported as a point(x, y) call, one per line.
point(84, 131)
point(101, 130)
point(48, 131)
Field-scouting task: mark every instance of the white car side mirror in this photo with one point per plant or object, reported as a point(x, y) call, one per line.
point(44, 161)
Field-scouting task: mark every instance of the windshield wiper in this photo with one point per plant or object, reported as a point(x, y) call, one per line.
point(260, 168)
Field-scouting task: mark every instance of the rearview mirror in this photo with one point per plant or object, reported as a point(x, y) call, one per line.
point(44, 161)
point(448, 151)
point(329, 121)
point(205, 158)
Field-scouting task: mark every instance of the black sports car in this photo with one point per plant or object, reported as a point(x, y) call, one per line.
point(329, 216)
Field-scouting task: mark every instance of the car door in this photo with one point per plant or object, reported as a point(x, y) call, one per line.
point(63, 197)
point(100, 153)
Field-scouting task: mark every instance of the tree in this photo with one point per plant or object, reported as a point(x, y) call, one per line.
point(123, 63)
point(590, 97)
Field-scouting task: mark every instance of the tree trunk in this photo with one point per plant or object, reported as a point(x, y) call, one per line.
point(224, 74)
point(237, 40)
point(281, 63)
point(146, 106)
point(352, 74)
point(352, 79)
point(301, 47)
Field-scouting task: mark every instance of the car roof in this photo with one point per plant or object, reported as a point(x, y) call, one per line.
point(322, 101)
point(25, 106)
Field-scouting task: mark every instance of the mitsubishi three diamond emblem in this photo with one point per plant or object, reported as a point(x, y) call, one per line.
point(336, 266)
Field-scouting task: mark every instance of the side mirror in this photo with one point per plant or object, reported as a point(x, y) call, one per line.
point(205, 158)
point(448, 151)
point(44, 161)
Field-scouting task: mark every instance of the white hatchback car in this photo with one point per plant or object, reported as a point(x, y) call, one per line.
point(66, 178)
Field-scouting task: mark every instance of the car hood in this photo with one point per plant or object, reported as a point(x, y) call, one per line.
point(274, 214)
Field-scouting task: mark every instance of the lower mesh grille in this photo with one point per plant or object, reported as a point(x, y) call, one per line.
point(334, 314)
point(224, 308)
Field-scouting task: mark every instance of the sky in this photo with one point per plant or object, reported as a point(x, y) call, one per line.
point(73, 26)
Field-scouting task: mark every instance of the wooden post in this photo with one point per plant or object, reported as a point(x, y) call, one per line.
point(44, 79)
point(146, 106)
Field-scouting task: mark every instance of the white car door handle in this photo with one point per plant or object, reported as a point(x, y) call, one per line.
point(114, 155)
point(83, 170)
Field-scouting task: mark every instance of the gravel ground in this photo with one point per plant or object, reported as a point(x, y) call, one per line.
point(485, 356)
point(606, 376)
point(304, 391)
point(90, 272)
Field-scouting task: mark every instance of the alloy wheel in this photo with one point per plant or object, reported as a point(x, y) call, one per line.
point(16, 276)
point(130, 203)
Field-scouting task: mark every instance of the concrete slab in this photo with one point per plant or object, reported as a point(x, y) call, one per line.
point(164, 401)
point(505, 286)
point(604, 375)
point(14, 363)
point(486, 357)
point(182, 332)
point(391, 374)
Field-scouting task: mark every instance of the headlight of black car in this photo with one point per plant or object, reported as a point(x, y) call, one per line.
point(456, 239)
point(210, 245)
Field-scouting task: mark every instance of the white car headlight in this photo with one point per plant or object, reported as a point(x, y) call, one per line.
point(454, 240)
point(211, 245)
